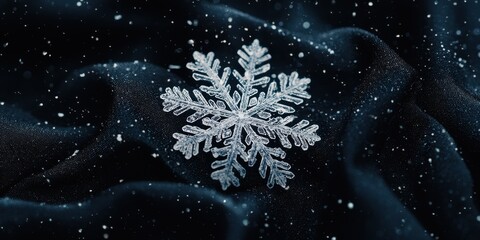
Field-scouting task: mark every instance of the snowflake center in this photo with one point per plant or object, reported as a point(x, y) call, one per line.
point(242, 115)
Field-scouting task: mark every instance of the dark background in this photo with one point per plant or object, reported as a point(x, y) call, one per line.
point(394, 91)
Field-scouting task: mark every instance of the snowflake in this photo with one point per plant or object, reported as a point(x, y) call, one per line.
point(247, 111)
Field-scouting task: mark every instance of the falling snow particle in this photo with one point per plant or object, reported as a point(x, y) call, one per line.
point(306, 25)
point(172, 66)
point(117, 17)
point(75, 153)
point(119, 137)
point(350, 205)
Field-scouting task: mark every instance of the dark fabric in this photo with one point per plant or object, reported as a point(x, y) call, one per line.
point(395, 91)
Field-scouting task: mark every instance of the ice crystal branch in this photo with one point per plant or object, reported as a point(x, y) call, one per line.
point(247, 111)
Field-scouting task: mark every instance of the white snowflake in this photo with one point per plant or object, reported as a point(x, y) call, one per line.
point(247, 111)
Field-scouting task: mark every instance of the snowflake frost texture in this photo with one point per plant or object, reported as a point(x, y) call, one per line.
point(245, 122)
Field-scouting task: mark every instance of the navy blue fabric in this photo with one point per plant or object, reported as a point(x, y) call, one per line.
point(86, 151)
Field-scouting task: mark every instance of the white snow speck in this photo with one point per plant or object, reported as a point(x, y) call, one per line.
point(350, 205)
point(306, 25)
point(60, 114)
point(117, 17)
point(119, 137)
point(172, 66)
point(75, 153)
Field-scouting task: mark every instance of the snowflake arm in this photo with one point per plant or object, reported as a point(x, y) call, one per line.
point(234, 148)
point(250, 58)
point(302, 134)
point(180, 101)
point(292, 89)
point(189, 144)
point(205, 68)
point(279, 170)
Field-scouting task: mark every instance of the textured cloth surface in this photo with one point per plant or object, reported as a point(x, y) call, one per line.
point(86, 150)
